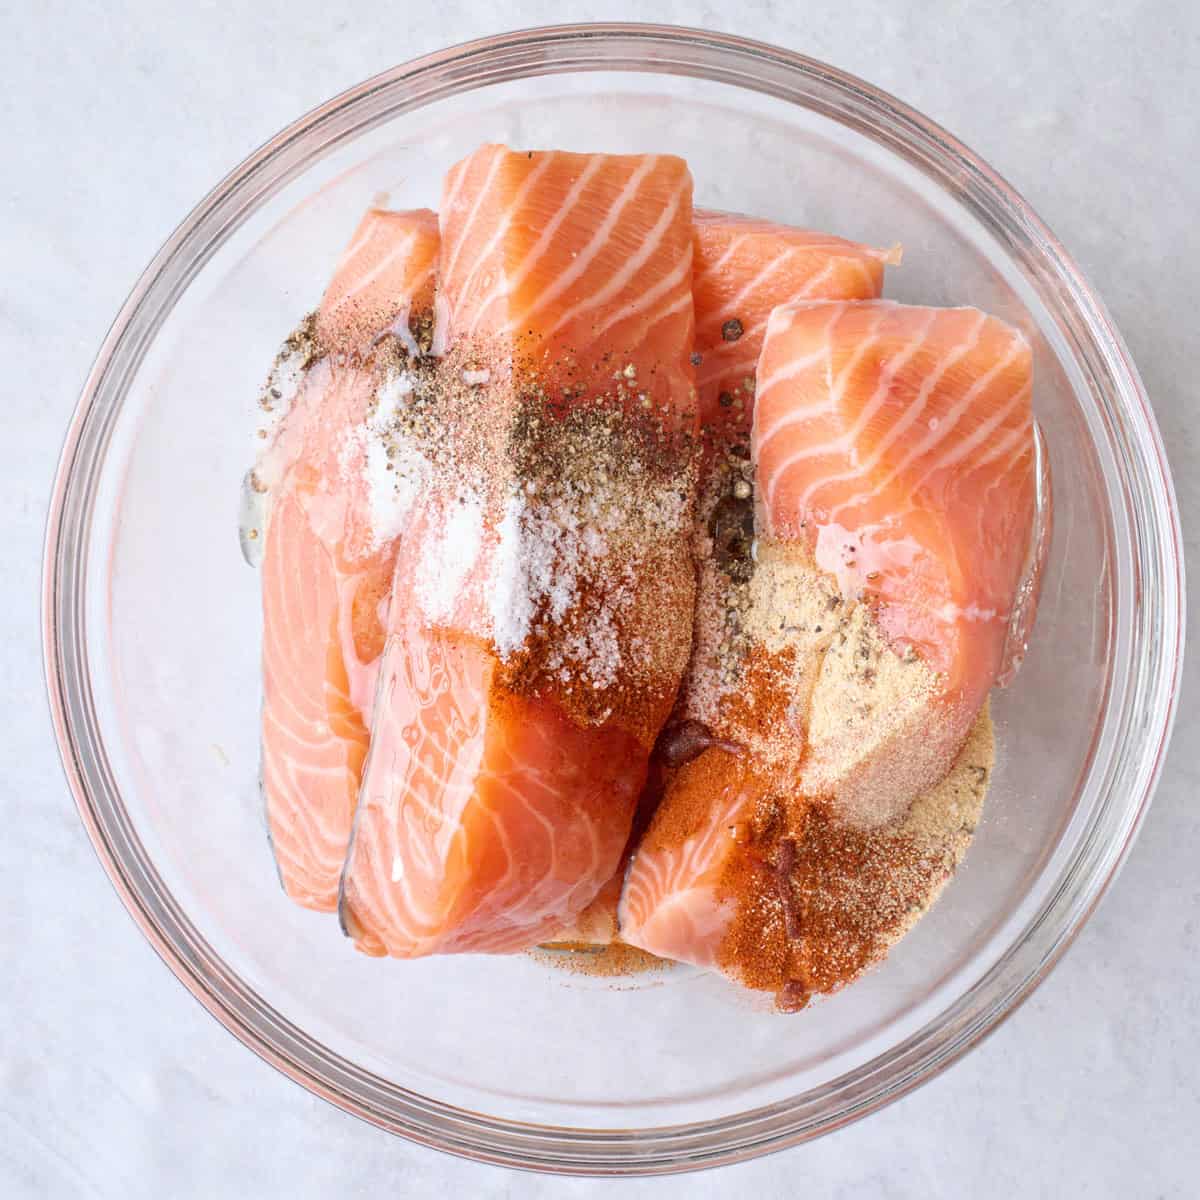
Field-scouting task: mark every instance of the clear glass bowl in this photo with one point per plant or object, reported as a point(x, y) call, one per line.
point(152, 628)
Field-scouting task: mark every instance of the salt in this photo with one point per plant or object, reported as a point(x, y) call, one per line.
point(450, 550)
point(394, 469)
point(389, 398)
point(600, 649)
point(391, 493)
point(511, 605)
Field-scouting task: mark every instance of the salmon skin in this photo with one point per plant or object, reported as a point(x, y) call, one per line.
point(503, 776)
point(893, 449)
point(325, 573)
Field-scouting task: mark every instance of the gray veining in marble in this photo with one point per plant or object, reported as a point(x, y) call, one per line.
point(116, 118)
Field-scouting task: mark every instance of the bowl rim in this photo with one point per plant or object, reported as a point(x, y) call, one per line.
point(1154, 673)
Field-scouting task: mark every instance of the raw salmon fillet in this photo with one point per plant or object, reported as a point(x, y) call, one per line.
point(745, 268)
point(897, 442)
point(894, 445)
point(492, 811)
point(325, 575)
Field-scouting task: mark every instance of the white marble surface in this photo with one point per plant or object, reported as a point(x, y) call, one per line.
point(117, 116)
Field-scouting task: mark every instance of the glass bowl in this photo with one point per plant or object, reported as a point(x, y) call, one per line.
point(152, 627)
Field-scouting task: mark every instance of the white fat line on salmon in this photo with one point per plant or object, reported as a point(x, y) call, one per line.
point(915, 409)
point(732, 307)
point(779, 322)
point(631, 266)
point(348, 255)
point(600, 237)
point(951, 420)
point(848, 441)
point(718, 264)
point(400, 250)
point(527, 184)
point(674, 280)
point(483, 193)
point(509, 282)
point(457, 173)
